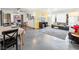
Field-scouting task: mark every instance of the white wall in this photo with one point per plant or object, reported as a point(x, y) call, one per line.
point(53, 19)
point(25, 19)
point(73, 19)
point(61, 18)
point(0, 17)
point(12, 14)
point(50, 20)
point(31, 23)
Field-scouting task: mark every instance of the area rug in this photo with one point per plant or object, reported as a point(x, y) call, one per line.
point(55, 32)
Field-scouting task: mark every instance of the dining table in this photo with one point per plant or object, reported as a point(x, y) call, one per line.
point(21, 33)
point(74, 34)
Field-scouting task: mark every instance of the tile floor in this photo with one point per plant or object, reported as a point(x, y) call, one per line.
point(36, 40)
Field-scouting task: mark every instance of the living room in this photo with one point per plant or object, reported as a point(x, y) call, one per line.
point(43, 29)
point(50, 27)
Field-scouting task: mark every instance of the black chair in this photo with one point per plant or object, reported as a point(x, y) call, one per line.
point(73, 38)
point(70, 36)
point(10, 38)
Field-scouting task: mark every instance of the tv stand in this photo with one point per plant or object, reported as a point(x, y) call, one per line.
point(43, 24)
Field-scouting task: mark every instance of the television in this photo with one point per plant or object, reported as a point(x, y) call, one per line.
point(18, 20)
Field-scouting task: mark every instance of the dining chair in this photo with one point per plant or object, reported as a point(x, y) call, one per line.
point(70, 36)
point(73, 38)
point(10, 38)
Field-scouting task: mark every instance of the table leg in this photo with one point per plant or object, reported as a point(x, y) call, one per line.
point(21, 40)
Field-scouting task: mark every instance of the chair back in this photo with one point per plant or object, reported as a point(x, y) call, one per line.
point(73, 38)
point(70, 36)
point(10, 38)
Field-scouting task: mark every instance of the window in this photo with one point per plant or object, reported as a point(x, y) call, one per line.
point(61, 18)
point(53, 18)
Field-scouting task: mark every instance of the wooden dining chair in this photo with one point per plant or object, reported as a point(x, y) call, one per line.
point(10, 38)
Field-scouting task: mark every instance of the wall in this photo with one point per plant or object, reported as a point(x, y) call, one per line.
point(60, 17)
point(12, 15)
point(0, 16)
point(73, 19)
point(30, 23)
point(39, 13)
point(50, 17)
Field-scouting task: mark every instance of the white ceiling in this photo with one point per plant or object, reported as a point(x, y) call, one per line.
point(27, 10)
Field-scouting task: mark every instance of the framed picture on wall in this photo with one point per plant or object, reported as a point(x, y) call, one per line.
point(17, 18)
